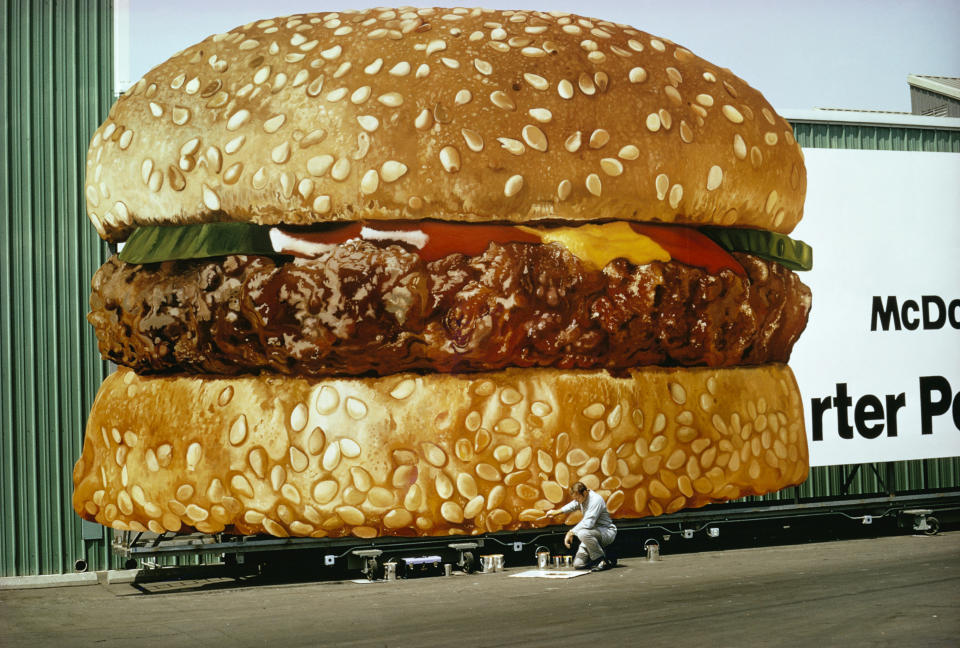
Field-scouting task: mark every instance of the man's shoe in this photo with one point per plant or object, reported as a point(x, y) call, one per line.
point(603, 565)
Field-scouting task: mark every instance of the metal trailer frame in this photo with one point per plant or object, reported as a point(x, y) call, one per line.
point(919, 511)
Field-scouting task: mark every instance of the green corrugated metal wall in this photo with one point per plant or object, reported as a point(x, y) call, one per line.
point(876, 137)
point(57, 63)
point(56, 89)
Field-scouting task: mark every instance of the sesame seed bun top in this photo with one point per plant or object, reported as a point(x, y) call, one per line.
point(462, 114)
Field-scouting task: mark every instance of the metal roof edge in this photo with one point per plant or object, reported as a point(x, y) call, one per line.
point(864, 118)
point(928, 83)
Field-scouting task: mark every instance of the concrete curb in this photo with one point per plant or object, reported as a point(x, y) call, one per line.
point(110, 577)
point(48, 580)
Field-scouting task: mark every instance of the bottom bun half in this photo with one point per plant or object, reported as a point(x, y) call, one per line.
point(430, 454)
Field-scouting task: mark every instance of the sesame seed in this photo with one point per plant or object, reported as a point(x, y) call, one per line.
point(675, 77)
point(423, 120)
point(564, 189)
point(565, 89)
point(732, 114)
point(714, 178)
point(637, 75)
point(450, 159)
point(542, 115)
point(238, 119)
point(321, 204)
point(234, 145)
point(599, 138)
point(210, 198)
point(336, 95)
point(705, 100)
point(392, 170)
point(534, 137)
point(369, 123)
point(262, 75)
point(473, 139)
point(665, 118)
point(463, 97)
point(586, 84)
point(635, 45)
point(594, 185)
point(572, 144)
point(710, 77)
point(657, 45)
point(451, 63)
point(305, 188)
point(770, 138)
point(500, 99)
point(422, 71)
point(511, 145)
point(360, 95)
point(536, 81)
point(533, 52)
point(611, 166)
point(482, 66)
point(653, 122)
point(370, 182)
point(498, 34)
point(436, 46)
point(676, 195)
point(280, 153)
point(629, 152)
point(391, 99)
point(739, 147)
point(374, 67)
point(685, 133)
point(400, 69)
point(662, 184)
point(331, 53)
point(513, 186)
point(319, 165)
point(341, 169)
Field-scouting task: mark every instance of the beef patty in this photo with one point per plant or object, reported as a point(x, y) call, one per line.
point(369, 309)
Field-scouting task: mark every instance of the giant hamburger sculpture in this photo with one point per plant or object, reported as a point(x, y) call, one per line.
point(415, 271)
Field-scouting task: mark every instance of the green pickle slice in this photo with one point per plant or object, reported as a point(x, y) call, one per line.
point(791, 253)
point(154, 244)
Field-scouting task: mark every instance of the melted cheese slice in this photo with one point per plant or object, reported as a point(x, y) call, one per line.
point(598, 245)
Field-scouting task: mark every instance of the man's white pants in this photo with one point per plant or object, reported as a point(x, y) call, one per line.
point(592, 542)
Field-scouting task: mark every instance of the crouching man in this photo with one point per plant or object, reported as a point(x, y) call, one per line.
point(595, 530)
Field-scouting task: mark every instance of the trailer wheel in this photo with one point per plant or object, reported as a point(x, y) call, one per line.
point(131, 563)
point(469, 562)
point(933, 526)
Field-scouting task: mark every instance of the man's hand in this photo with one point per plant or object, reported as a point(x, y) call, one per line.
point(548, 514)
point(568, 539)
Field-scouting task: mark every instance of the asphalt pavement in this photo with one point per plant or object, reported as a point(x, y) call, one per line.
point(889, 591)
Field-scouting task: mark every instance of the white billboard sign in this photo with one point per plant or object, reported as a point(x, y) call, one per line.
point(879, 362)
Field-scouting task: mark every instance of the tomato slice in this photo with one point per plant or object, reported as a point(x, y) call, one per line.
point(438, 239)
point(469, 239)
point(688, 245)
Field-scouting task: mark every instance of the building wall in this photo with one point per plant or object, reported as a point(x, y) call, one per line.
point(925, 102)
point(56, 89)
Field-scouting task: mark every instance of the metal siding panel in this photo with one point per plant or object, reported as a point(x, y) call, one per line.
point(876, 137)
point(58, 71)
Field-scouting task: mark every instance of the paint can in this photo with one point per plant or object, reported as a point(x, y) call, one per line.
point(543, 558)
point(653, 550)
